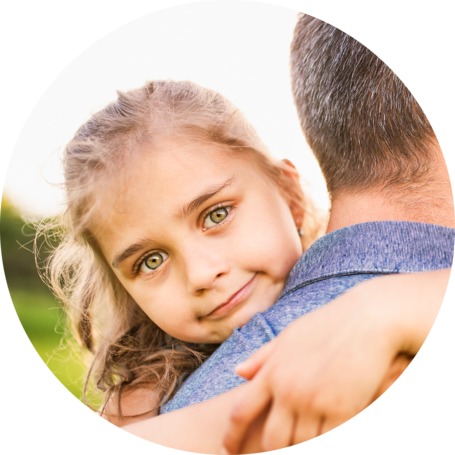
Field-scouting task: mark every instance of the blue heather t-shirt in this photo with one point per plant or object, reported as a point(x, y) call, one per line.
point(332, 265)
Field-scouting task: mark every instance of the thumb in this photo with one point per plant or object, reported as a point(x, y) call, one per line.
point(251, 366)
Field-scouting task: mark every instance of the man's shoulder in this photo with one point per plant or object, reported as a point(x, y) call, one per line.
point(380, 247)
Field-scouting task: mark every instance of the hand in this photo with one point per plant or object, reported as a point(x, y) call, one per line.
point(330, 364)
point(310, 378)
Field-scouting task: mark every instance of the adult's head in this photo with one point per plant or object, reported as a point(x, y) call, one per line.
point(363, 125)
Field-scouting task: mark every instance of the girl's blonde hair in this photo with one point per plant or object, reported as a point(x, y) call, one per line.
point(129, 350)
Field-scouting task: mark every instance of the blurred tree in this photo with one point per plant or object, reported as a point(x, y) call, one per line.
point(17, 239)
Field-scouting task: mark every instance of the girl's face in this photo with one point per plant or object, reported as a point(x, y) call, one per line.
point(200, 239)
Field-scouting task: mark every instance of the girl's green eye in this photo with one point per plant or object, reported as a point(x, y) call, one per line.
point(153, 262)
point(216, 217)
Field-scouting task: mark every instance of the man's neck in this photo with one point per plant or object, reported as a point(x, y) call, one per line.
point(433, 206)
point(349, 209)
point(356, 209)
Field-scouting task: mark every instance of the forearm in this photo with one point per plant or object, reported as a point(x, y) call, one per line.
point(418, 324)
point(409, 305)
point(134, 406)
point(199, 428)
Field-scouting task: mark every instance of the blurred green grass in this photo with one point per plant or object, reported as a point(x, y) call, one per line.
point(38, 314)
point(43, 322)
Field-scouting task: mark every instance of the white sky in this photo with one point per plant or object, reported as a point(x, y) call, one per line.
point(240, 49)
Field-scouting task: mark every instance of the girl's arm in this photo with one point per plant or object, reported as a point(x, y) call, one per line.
point(136, 406)
point(329, 365)
point(199, 428)
point(324, 368)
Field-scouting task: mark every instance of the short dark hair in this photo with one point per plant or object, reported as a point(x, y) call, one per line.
point(363, 125)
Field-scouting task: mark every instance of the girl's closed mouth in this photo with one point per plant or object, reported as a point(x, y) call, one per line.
point(233, 300)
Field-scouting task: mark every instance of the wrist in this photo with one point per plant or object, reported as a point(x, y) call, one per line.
point(427, 291)
point(410, 306)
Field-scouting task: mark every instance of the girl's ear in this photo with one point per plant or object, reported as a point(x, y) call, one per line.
point(289, 168)
point(291, 177)
point(288, 162)
point(293, 191)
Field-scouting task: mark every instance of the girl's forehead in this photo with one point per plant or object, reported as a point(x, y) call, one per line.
point(172, 171)
point(173, 165)
point(183, 155)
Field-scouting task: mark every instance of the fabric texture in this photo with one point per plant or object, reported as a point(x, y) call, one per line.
point(331, 266)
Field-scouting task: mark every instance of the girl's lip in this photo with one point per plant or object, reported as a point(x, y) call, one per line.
point(233, 300)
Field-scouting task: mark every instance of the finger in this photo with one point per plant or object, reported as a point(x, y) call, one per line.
point(279, 428)
point(250, 367)
point(330, 423)
point(254, 398)
point(307, 427)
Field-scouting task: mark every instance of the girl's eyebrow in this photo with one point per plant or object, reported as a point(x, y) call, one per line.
point(182, 212)
point(118, 258)
point(205, 196)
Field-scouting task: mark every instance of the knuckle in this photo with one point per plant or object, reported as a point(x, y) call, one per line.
point(238, 416)
point(289, 391)
point(291, 400)
point(229, 443)
point(327, 405)
point(313, 403)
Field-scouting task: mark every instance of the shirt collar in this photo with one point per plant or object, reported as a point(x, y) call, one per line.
point(379, 247)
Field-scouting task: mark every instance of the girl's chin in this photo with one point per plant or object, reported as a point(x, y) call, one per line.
point(238, 320)
point(221, 329)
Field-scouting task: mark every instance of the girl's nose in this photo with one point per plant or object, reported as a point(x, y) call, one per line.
point(204, 267)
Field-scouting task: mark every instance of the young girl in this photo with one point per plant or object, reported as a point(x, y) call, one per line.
point(179, 227)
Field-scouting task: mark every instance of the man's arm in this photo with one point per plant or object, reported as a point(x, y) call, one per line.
point(201, 428)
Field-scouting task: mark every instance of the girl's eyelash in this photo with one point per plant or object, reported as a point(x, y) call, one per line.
point(138, 265)
point(209, 211)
